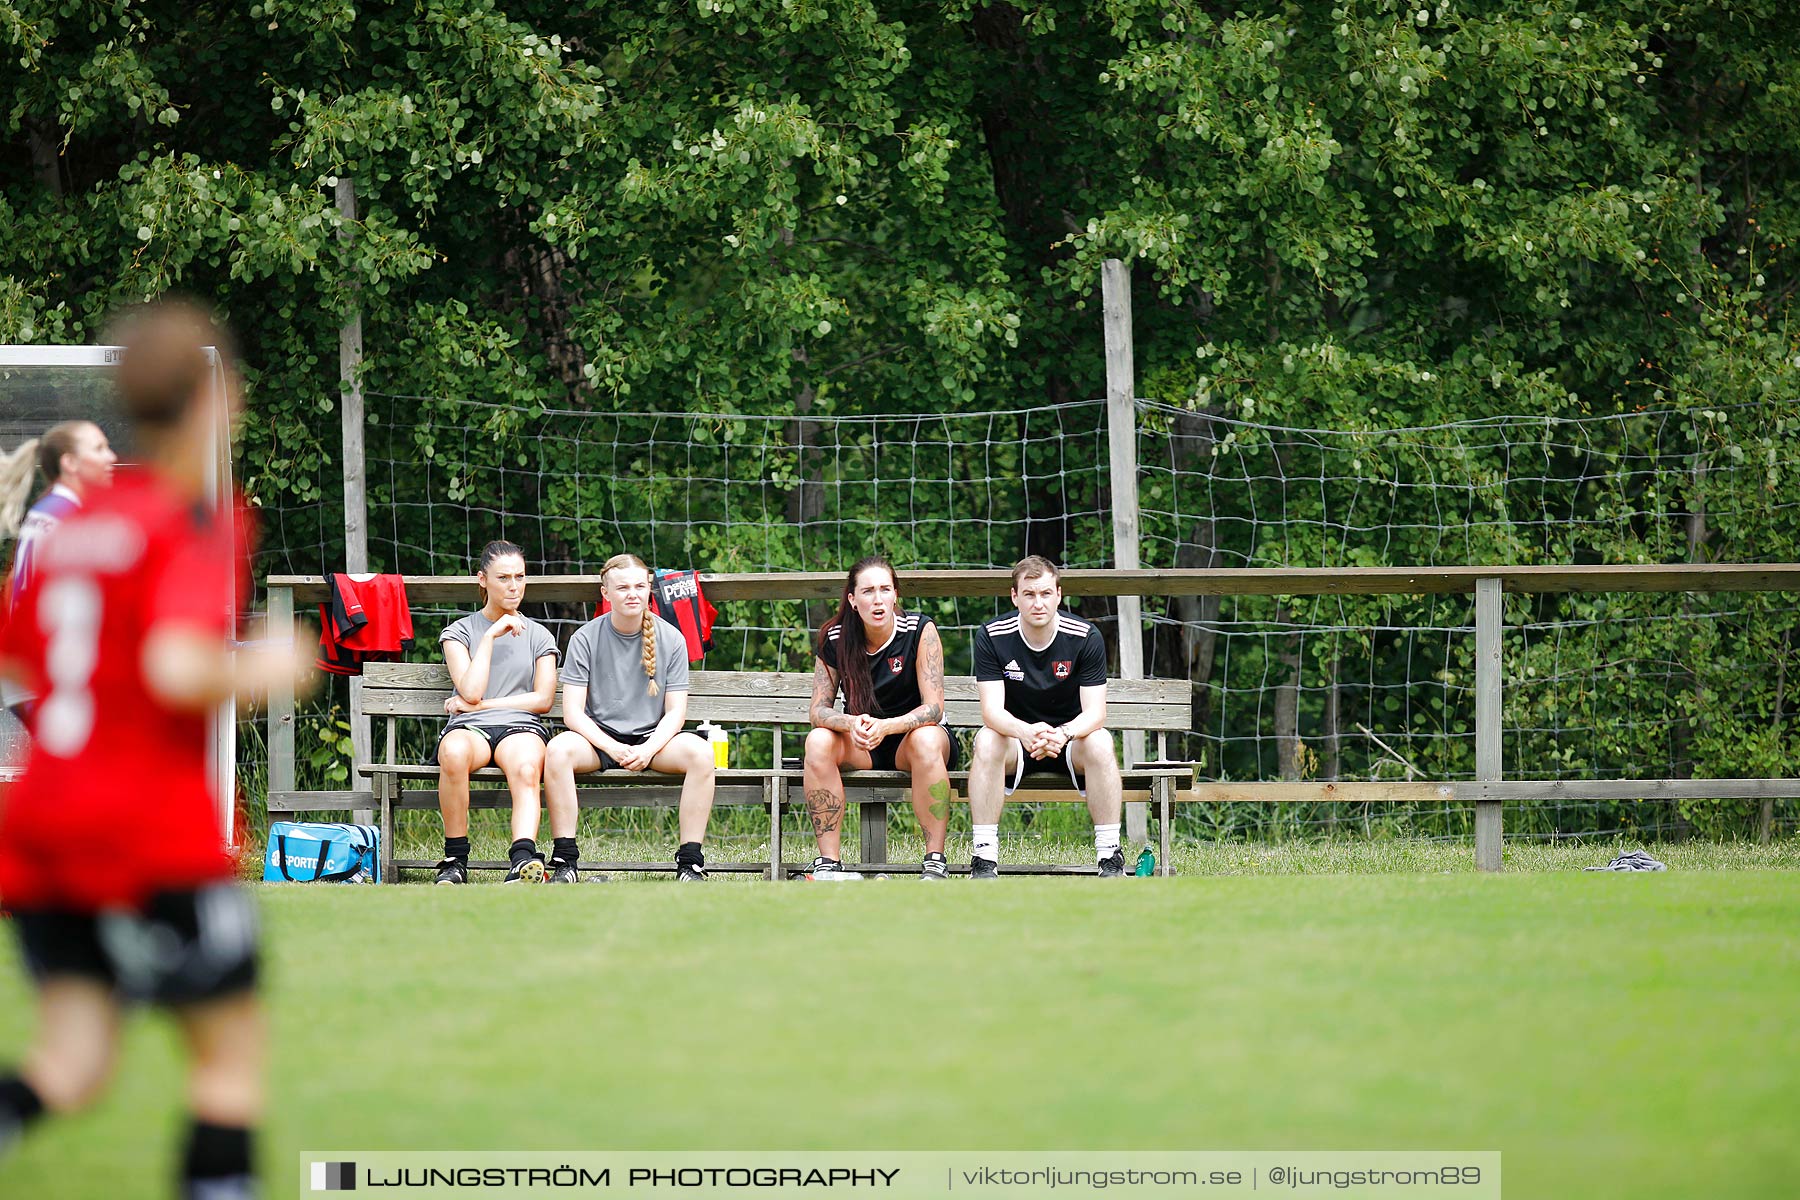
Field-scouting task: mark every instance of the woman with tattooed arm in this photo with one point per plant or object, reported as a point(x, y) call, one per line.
point(889, 664)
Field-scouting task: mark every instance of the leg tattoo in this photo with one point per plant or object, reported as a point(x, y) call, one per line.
point(826, 809)
point(940, 799)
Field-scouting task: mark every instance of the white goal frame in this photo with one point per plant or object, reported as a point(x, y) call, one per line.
point(222, 742)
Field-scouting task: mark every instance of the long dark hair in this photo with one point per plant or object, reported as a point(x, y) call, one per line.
point(853, 655)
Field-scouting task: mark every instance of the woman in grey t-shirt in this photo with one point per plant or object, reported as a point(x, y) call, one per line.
point(503, 666)
point(625, 694)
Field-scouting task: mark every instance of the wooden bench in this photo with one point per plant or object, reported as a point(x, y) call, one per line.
point(397, 691)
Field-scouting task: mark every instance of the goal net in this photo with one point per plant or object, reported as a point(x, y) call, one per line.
point(42, 386)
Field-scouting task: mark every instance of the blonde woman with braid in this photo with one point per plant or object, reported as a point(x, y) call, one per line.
point(625, 694)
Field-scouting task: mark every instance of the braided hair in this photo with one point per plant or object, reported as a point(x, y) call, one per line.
point(619, 561)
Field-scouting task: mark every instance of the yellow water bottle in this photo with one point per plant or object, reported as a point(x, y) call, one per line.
point(720, 742)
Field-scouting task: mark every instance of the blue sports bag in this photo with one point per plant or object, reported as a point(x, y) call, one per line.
point(312, 852)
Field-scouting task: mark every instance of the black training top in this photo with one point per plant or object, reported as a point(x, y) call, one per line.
point(893, 669)
point(1041, 685)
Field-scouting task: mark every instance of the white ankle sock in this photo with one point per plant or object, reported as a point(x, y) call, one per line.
point(987, 842)
point(1106, 841)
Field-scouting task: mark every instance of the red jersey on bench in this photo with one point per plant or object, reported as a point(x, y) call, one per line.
point(366, 620)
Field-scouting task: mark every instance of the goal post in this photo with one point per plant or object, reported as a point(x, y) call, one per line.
point(43, 385)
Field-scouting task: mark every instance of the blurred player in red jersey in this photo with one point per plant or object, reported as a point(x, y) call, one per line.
point(112, 863)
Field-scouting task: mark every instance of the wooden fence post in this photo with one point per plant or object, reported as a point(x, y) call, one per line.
point(356, 499)
point(281, 695)
point(1488, 672)
point(1121, 429)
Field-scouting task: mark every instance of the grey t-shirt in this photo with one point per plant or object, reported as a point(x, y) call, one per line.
point(510, 669)
point(611, 667)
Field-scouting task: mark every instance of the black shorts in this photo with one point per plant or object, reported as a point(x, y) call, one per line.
point(1061, 764)
point(183, 948)
point(495, 734)
point(607, 761)
point(882, 756)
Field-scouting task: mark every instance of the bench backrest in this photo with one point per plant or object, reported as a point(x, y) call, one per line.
point(778, 697)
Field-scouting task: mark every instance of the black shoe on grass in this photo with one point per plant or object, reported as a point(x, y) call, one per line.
point(1112, 868)
point(452, 870)
point(563, 872)
point(690, 873)
point(983, 868)
point(934, 868)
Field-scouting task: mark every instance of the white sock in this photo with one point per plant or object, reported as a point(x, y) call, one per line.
point(987, 842)
point(1106, 841)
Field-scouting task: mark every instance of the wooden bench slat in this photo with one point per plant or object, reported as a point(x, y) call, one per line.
point(644, 795)
point(617, 778)
point(324, 801)
point(669, 796)
point(777, 697)
point(426, 703)
point(1141, 776)
point(796, 684)
point(770, 685)
point(619, 775)
point(960, 714)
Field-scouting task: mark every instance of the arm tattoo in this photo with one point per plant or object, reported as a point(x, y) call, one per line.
point(826, 808)
point(931, 659)
point(918, 718)
point(824, 713)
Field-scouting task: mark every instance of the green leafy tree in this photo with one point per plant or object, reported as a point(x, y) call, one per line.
point(1343, 215)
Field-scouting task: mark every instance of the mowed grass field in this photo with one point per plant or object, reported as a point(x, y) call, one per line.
point(1612, 1035)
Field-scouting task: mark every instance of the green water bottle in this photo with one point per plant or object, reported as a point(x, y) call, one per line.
point(1146, 864)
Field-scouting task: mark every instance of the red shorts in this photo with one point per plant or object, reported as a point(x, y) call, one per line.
point(69, 852)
